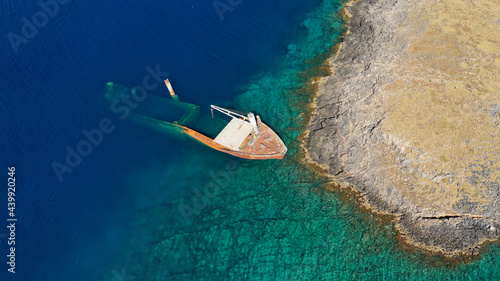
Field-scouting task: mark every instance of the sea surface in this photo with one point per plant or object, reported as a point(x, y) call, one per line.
point(144, 205)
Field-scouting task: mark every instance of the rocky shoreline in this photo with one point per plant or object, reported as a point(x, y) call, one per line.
point(410, 117)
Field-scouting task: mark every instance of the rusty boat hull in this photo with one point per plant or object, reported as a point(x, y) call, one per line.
point(266, 145)
point(245, 136)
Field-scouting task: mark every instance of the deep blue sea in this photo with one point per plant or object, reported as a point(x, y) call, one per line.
point(116, 213)
point(52, 89)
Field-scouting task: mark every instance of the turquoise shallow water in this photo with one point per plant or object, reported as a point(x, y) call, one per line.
point(237, 219)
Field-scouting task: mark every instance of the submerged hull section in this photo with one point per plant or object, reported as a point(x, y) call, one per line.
point(266, 145)
point(244, 136)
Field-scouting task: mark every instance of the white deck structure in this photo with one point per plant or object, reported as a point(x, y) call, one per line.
point(234, 134)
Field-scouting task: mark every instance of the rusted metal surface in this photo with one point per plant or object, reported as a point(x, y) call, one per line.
point(267, 145)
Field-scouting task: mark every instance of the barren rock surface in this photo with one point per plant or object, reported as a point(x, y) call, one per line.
point(410, 118)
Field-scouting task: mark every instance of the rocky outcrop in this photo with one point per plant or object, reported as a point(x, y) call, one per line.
point(409, 118)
